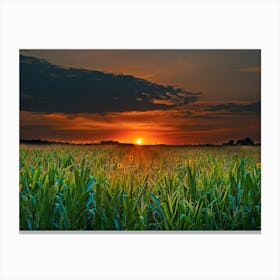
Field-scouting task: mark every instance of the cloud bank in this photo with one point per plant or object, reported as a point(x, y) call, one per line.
point(47, 88)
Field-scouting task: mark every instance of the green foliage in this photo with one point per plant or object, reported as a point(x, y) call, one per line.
point(139, 188)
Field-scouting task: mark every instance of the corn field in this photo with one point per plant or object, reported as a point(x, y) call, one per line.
point(119, 187)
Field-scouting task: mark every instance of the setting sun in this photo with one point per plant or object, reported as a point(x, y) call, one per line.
point(139, 141)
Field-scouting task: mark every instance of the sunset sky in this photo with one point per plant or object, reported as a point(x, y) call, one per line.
point(160, 96)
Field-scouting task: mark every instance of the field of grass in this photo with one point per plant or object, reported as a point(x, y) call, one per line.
point(114, 187)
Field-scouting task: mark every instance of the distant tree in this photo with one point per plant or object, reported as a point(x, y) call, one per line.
point(111, 142)
point(230, 142)
point(245, 141)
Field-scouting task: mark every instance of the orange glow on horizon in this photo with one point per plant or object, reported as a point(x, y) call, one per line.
point(153, 127)
point(139, 141)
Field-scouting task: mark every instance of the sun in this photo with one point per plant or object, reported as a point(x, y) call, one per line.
point(139, 141)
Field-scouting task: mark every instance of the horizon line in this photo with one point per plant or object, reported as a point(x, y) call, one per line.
point(114, 142)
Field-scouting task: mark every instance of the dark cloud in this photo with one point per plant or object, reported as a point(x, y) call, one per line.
point(235, 107)
point(48, 88)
